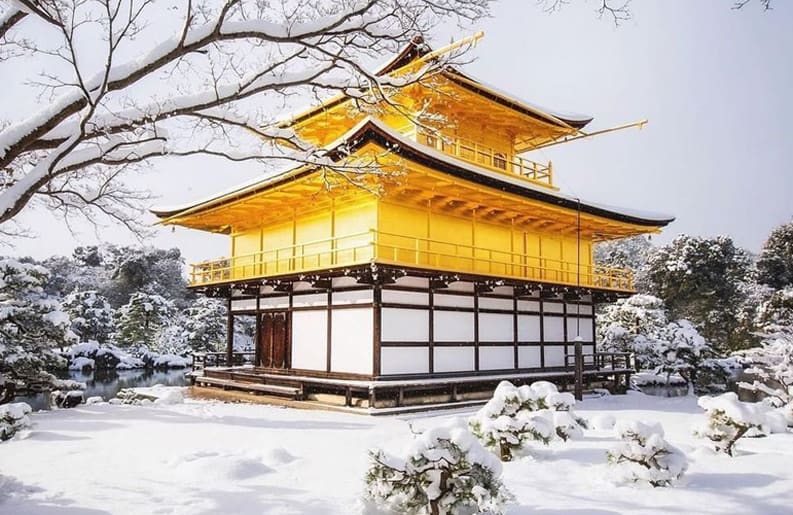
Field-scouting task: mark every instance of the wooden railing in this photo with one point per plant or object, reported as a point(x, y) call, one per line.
point(483, 155)
point(383, 247)
point(602, 361)
point(202, 360)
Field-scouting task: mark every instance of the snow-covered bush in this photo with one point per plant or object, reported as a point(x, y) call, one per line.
point(775, 262)
point(728, 420)
point(773, 369)
point(32, 325)
point(91, 315)
point(13, 418)
point(515, 416)
point(444, 471)
point(101, 357)
point(644, 455)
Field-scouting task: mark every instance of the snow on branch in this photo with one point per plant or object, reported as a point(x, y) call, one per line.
point(218, 69)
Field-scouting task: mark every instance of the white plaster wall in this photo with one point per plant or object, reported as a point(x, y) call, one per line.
point(495, 327)
point(495, 358)
point(528, 328)
point(553, 327)
point(301, 286)
point(552, 307)
point(503, 290)
point(344, 282)
point(404, 325)
point(454, 301)
point(353, 297)
point(585, 327)
point(554, 355)
point(310, 299)
point(453, 359)
point(413, 282)
point(529, 357)
point(583, 309)
point(351, 341)
point(310, 339)
point(273, 302)
point(453, 326)
point(490, 303)
point(243, 304)
point(404, 360)
point(405, 297)
point(461, 286)
point(528, 305)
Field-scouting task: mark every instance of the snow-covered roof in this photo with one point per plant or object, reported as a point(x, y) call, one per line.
point(372, 129)
point(416, 49)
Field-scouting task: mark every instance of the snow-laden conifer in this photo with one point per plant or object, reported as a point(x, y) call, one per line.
point(444, 471)
point(91, 315)
point(515, 416)
point(32, 327)
point(141, 321)
point(644, 456)
point(729, 419)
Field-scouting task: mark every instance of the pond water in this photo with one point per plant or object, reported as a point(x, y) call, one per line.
point(107, 383)
point(665, 390)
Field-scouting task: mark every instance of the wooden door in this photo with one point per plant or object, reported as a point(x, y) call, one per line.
point(273, 340)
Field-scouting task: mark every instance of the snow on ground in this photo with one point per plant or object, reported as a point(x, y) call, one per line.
point(212, 457)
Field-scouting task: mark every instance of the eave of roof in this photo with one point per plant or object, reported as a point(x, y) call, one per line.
point(371, 129)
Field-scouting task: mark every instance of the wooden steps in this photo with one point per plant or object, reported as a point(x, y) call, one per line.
point(270, 389)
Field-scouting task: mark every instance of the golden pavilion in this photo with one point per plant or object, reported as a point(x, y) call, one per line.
point(460, 265)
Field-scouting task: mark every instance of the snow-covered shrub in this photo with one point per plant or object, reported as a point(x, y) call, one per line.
point(444, 471)
point(775, 262)
point(91, 315)
point(515, 416)
point(644, 455)
point(728, 420)
point(13, 418)
point(67, 399)
point(773, 368)
point(32, 325)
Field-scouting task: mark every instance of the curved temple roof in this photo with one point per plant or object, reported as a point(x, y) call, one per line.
point(371, 129)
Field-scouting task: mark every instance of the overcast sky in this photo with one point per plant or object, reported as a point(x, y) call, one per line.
point(716, 85)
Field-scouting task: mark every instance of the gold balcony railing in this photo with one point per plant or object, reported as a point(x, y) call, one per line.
point(387, 248)
point(488, 157)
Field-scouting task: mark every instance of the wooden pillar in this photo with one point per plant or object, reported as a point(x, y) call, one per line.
point(229, 334)
point(579, 369)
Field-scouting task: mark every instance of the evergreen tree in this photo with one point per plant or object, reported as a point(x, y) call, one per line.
point(204, 324)
point(700, 279)
point(631, 253)
point(91, 315)
point(32, 326)
point(775, 263)
point(147, 269)
point(141, 321)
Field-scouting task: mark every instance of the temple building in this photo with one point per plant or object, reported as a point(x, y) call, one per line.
point(459, 265)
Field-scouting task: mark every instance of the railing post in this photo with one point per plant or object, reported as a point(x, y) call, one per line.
point(579, 369)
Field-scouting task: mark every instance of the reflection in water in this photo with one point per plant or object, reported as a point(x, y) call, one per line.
point(107, 383)
point(665, 390)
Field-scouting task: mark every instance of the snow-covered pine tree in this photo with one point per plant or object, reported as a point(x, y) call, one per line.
point(13, 418)
point(32, 327)
point(631, 253)
point(775, 262)
point(141, 321)
point(728, 420)
point(515, 416)
point(204, 324)
point(644, 455)
point(636, 325)
point(700, 280)
point(91, 315)
point(444, 471)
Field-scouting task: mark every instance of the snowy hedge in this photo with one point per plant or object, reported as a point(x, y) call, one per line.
point(644, 455)
point(13, 418)
point(444, 471)
point(729, 419)
point(518, 415)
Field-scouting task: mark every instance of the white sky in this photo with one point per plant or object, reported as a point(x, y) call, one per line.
point(715, 84)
